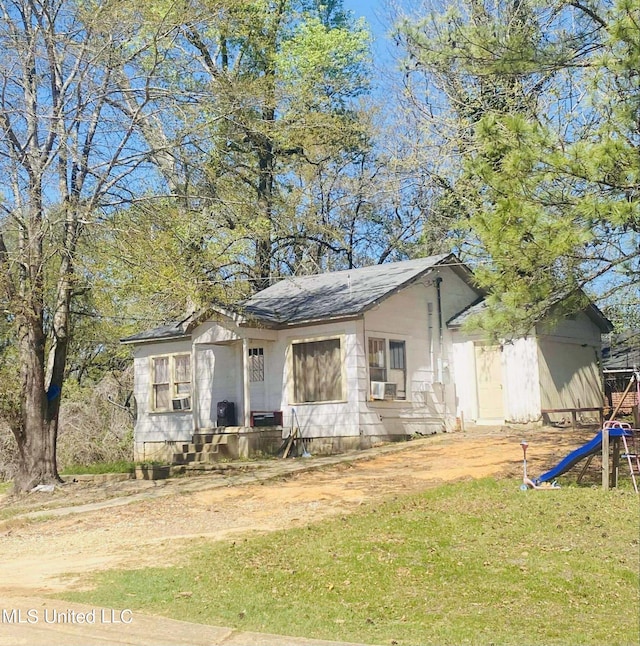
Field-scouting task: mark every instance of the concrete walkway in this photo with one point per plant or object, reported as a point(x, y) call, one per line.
point(46, 622)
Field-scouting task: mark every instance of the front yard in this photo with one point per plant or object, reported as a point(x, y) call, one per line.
point(468, 563)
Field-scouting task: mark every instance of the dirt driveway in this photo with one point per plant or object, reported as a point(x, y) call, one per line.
point(85, 527)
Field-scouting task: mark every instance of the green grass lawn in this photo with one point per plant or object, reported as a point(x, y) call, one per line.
point(471, 563)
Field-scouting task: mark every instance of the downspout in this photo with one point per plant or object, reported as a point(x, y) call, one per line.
point(438, 282)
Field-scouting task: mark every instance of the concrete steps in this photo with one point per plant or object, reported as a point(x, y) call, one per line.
point(229, 443)
point(206, 449)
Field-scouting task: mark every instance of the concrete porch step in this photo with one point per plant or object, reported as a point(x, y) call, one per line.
point(208, 455)
point(198, 468)
point(212, 445)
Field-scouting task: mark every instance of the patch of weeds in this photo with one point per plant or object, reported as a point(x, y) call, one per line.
point(119, 466)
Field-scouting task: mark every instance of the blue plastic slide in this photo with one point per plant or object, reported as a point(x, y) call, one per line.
point(592, 446)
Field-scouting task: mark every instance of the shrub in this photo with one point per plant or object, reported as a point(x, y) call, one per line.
point(95, 426)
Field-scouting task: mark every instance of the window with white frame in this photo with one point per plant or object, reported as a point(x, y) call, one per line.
point(398, 367)
point(377, 360)
point(171, 382)
point(317, 371)
point(256, 364)
point(387, 368)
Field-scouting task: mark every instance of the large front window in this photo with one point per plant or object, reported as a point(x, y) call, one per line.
point(171, 382)
point(317, 371)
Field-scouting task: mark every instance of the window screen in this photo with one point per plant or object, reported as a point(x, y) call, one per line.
point(317, 371)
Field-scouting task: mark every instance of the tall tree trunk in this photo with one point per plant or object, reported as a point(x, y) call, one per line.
point(265, 203)
point(36, 443)
point(36, 448)
point(60, 331)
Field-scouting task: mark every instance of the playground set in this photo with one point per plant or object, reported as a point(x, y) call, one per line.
point(621, 436)
point(615, 441)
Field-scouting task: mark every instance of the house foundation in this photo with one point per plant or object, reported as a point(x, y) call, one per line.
point(250, 443)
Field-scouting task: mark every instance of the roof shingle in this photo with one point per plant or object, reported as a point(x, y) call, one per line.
point(338, 294)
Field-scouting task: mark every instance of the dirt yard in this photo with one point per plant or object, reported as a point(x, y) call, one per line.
point(83, 527)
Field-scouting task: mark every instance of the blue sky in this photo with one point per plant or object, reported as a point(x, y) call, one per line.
point(366, 8)
point(374, 11)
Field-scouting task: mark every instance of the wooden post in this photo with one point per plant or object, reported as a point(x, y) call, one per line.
point(616, 461)
point(636, 410)
point(605, 459)
point(195, 414)
point(246, 390)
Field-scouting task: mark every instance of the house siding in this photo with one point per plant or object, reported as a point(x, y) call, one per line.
point(216, 378)
point(521, 381)
point(520, 393)
point(463, 359)
point(569, 375)
point(156, 427)
point(328, 420)
point(554, 367)
point(412, 315)
point(569, 356)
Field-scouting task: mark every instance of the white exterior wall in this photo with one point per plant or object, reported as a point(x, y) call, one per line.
point(521, 401)
point(579, 328)
point(521, 381)
point(559, 368)
point(153, 427)
point(569, 376)
point(318, 419)
point(464, 371)
point(569, 358)
point(411, 315)
point(216, 351)
point(215, 379)
point(218, 374)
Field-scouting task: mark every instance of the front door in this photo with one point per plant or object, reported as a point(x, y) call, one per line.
point(489, 381)
point(257, 380)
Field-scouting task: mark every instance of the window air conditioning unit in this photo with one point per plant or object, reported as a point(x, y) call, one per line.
point(390, 390)
point(383, 390)
point(377, 389)
point(181, 403)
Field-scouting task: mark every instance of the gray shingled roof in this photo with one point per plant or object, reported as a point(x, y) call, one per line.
point(321, 297)
point(591, 311)
point(462, 317)
point(622, 352)
point(334, 295)
point(175, 330)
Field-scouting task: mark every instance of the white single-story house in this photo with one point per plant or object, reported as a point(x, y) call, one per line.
point(354, 357)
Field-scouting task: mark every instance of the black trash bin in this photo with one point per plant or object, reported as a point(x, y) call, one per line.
point(226, 413)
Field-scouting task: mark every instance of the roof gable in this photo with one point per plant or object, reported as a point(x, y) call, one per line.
point(335, 295)
point(317, 298)
point(179, 329)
